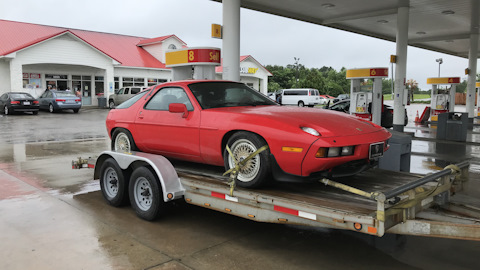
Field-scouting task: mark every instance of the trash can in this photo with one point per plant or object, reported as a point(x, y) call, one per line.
point(452, 126)
point(102, 102)
point(397, 157)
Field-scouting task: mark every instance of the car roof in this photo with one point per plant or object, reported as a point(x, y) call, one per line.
point(18, 93)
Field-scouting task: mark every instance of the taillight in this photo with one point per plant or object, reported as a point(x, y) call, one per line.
point(14, 102)
point(78, 100)
point(35, 102)
point(60, 100)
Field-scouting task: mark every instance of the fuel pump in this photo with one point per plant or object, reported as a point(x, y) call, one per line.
point(443, 95)
point(367, 101)
point(477, 85)
point(193, 63)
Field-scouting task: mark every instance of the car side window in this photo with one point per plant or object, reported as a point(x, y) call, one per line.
point(135, 90)
point(120, 91)
point(162, 99)
point(3, 97)
point(49, 95)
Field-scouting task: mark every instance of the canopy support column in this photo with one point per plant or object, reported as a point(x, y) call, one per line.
point(401, 71)
point(472, 60)
point(231, 40)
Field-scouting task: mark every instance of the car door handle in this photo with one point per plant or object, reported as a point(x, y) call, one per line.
point(140, 116)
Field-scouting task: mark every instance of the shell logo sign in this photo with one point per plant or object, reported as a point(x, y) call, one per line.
point(189, 56)
point(367, 73)
point(443, 80)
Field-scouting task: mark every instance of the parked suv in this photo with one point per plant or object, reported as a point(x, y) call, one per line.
point(123, 94)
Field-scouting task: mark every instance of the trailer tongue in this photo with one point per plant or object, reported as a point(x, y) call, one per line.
point(380, 201)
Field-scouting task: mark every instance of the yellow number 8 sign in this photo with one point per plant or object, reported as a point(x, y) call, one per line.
point(191, 55)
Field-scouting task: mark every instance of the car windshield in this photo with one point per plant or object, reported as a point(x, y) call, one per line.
point(20, 96)
point(227, 94)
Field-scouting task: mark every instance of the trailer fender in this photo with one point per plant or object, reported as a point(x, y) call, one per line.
point(167, 175)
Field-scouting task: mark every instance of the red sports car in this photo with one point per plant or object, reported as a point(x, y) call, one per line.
point(195, 120)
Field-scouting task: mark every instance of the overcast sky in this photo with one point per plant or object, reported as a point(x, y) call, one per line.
point(272, 40)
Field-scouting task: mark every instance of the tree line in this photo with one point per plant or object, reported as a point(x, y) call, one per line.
point(329, 81)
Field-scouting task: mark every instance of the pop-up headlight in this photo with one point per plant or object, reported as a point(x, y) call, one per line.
point(310, 131)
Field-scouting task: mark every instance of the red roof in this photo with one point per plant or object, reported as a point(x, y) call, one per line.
point(158, 40)
point(18, 35)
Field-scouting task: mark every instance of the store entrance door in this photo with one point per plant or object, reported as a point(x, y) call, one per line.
point(86, 93)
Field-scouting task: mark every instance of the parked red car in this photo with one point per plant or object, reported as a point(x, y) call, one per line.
point(195, 120)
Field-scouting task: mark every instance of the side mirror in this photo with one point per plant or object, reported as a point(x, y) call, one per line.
point(178, 108)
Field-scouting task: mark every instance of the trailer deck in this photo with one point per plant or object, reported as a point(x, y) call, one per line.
point(374, 202)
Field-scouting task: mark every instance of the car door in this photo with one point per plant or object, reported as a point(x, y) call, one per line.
point(163, 132)
point(44, 99)
point(124, 95)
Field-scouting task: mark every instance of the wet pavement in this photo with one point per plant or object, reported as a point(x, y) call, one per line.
point(53, 217)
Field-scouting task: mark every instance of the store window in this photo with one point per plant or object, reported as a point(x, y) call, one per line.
point(127, 81)
point(152, 81)
point(32, 80)
point(117, 82)
point(99, 86)
point(139, 81)
point(56, 81)
point(130, 81)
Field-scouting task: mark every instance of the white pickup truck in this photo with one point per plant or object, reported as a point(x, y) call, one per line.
point(123, 94)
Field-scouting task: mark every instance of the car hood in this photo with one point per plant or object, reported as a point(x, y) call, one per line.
point(327, 122)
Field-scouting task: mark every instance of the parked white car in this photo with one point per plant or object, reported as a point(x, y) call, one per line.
point(300, 97)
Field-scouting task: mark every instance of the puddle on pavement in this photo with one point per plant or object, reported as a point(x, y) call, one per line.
point(49, 165)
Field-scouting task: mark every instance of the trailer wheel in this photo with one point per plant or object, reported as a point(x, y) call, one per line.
point(145, 194)
point(113, 184)
point(257, 171)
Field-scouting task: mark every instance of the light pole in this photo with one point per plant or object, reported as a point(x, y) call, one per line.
point(439, 61)
point(296, 67)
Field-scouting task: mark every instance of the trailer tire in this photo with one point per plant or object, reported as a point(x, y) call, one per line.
point(146, 194)
point(257, 172)
point(113, 184)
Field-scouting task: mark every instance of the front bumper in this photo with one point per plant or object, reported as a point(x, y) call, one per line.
point(312, 164)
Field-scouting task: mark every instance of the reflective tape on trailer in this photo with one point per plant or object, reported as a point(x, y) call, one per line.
point(224, 196)
point(295, 212)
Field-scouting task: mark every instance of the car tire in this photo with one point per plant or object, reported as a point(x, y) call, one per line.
point(146, 195)
point(6, 111)
point(122, 141)
point(35, 112)
point(257, 171)
point(51, 108)
point(301, 104)
point(75, 110)
point(113, 183)
point(111, 104)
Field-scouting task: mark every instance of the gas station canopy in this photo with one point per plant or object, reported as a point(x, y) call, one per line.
point(438, 25)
